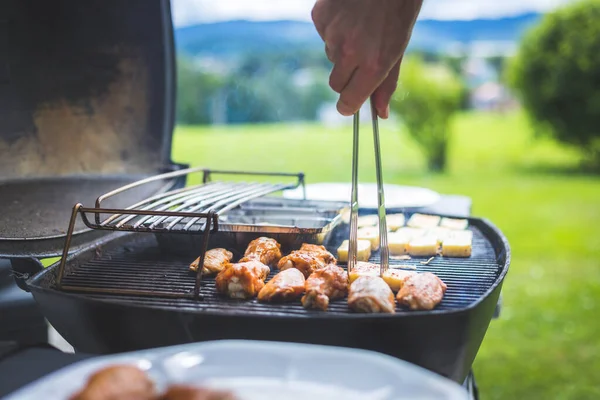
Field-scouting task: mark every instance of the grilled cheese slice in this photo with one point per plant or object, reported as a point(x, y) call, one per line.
point(423, 221)
point(458, 244)
point(363, 250)
point(439, 233)
point(367, 220)
point(398, 243)
point(370, 233)
point(424, 246)
point(453, 223)
point(394, 221)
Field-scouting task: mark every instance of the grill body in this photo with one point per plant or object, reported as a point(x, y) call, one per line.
point(444, 340)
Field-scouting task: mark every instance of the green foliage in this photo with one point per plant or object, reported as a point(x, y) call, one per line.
point(557, 75)
point(428, 96)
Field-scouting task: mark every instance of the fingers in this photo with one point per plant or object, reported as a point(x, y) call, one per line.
point(340, 75)
point(383, 94)
point(359, 88)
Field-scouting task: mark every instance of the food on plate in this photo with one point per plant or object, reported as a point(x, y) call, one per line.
point(393, 277)
point(398, 243)
point(323, 285)
point(367, 220)
point(185, 392)
point(263, 249)
point(394, 221)
point(308, 259)
point(423, 221)
point(117, 382)
point(423, 246)
point(422, 291)
point(363, 250)
point(242, 280)
point(370, 294)
point(454, 223)
point(215, 261)
point(458, 244)
point(370, 233)
point(285, 286)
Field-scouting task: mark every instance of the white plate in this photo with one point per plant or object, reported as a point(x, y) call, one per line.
point(264, 370)
point(395, 196)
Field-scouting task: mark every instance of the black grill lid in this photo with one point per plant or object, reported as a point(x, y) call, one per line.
point(86, 105)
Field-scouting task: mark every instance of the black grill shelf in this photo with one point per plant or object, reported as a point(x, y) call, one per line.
point(140, 264)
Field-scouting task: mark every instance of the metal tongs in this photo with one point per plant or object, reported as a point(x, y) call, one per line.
point(383, 244)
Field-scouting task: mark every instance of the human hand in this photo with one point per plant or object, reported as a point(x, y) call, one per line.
point(365, 40)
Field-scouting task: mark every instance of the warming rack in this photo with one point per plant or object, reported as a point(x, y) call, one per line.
point(190, 210)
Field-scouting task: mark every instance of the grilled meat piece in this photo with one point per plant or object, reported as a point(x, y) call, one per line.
point(117, 382)
point(370, 294)
point(395, 278)
point(308, 259)
point(242, 280)
point(263, 249)
point(215, 261)
point(285, 286)
point(323, 285)
point(422, 291)
point(183, 392)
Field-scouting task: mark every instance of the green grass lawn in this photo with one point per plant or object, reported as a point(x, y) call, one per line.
point(546, 345)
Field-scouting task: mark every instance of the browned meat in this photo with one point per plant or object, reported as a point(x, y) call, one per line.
point(320, 251)
point(263, 249)
point(215, 261)
point(308, 259)
point(116, 383)
point(182, 392)
point(370, 294)
point(323, 285)
point(242, 280)
point(422, 291)
point(285, 286)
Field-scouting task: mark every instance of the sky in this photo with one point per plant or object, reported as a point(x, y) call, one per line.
point(188, 12)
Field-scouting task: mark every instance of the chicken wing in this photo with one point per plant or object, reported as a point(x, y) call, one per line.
point(319, 251)
point(182, 392)
point(263, 249)
point(215, 261)
point(370, 294)
point(422, 291)
point(308, 259)
point(323, 285)
point(395, 278)
point(118, 382)
point(285, 286)
point(242, 280)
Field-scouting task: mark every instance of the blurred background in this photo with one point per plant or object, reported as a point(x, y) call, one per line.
point(499, 101)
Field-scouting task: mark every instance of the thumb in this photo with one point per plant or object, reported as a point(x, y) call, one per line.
point(383, 94)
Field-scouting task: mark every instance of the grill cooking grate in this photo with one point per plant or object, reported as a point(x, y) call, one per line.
point(140, 265)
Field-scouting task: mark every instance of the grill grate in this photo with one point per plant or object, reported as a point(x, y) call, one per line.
point(140, 265)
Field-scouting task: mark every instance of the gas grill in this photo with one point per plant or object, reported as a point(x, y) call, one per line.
point(87, 101)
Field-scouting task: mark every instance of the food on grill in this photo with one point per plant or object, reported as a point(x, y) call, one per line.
point(285, 286)
point(370, 294)
point(423, 246)
point(308, 259)
point(423, 221)
point(453, 223)
point(458, 244)
point(363, 250)
point(184, 392)
point(242, 280)
point(393, 277)
point(398, 243)
point(410, 232)
point(422, 291)
point(394, 221)
point(326, 284)
point(215, 261)
point(439, 233)
point(263, 249)
point(117, 382)
point(370, 233)
point(367, 220)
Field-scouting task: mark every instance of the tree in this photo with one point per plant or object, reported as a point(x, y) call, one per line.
point(427, 97)
point(556, 74)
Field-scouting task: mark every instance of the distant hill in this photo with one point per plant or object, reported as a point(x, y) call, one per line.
point(228, 39)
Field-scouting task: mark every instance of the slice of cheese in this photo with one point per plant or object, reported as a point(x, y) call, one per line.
point(458, 244)
point(424, 246)
point(440, 233)
point(363, 250)
point(394, 221)
point(370, 233)
point(453, 223)
point(393, 277)
point(423, 221)
point(367, 220)
point(411, 232)
point(398, 243)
